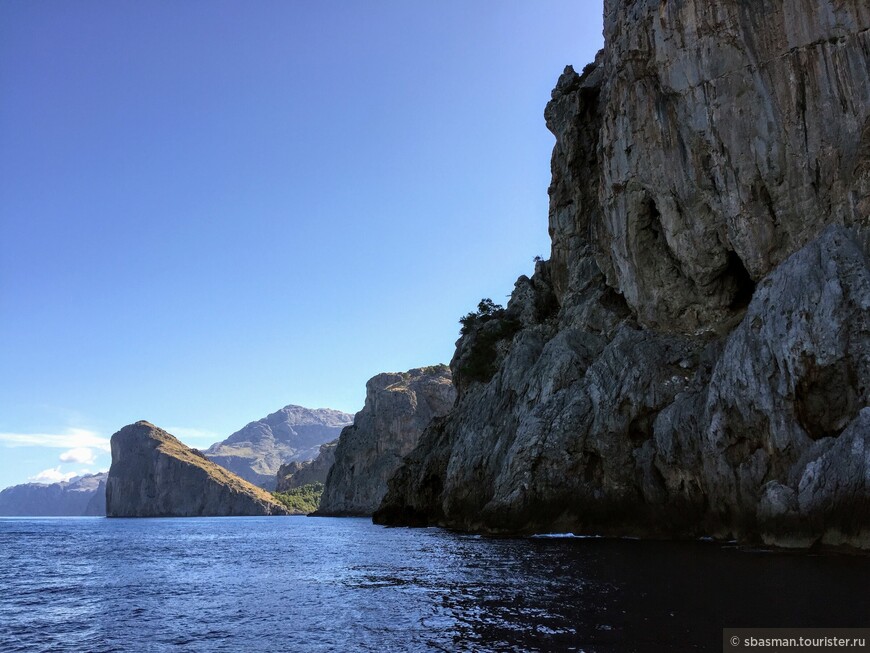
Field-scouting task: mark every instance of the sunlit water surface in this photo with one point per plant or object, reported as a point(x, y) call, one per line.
point(316, 584)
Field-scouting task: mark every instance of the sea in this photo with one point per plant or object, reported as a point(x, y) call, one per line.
point(309, 584)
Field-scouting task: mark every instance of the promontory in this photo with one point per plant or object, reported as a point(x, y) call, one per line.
point(154, 475)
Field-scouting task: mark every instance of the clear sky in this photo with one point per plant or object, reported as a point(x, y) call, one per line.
point(211, 209)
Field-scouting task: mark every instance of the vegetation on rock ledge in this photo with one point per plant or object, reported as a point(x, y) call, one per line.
point(305, 499)
point(486, 310)
point(480, 363)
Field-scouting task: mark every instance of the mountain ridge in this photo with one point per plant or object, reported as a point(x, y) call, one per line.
point(293, 433)
point(78, 496)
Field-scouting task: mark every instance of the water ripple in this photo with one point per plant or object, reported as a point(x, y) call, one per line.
point(317, 585)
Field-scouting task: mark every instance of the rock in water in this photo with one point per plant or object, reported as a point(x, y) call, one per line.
point(155, 475)
point(294, 433)
point(694, 358)
point(398, 407)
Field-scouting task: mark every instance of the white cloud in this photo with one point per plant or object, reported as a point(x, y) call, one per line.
point(70, 439)
point(52, 476)
point(184, 433)
point(82, 455)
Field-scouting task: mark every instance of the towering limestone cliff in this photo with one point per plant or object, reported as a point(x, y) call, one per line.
point(155, 475)
point(80, 496)
point(398, 407)
point(293, 433)
point(694, 358)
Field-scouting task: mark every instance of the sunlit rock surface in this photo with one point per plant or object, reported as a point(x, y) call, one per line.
point(155, 475)
point(398, 407)
point(294, 433)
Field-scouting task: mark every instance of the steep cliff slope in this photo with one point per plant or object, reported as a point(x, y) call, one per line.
point(694, 358)
point(155, 475)
point(97, 505)
point(398, 407)
point(76, 497)
point(296, 474)
point(293, 433)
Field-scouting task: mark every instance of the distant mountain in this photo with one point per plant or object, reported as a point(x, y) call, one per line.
point(82, 495)
point(293, 433)
point(155, 475)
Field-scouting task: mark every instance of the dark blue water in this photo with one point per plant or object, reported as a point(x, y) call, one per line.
point(309, 585)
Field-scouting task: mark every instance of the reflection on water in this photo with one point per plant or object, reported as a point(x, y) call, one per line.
point(300, 584)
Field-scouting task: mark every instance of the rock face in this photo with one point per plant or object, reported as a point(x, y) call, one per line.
point(155, 475)
point(291, 434)
point(97, 505)
point(730, 134)
point(398, 407)
point(694, 358)
point(83, 495)
point(296, 474)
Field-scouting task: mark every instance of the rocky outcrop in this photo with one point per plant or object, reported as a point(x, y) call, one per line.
point(296, 474)
point(694, 358)
point(398, 407)
point(83, 495)
point(155, 475)
point(291, 434)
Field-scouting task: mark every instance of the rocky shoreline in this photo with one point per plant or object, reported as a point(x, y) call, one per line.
point(694, 358)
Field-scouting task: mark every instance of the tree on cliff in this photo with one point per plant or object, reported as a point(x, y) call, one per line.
point(486, 309)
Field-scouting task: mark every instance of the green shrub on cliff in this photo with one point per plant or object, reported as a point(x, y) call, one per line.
point(486, 309)
point(303, 499)
point(484, 329)
point(480, 362)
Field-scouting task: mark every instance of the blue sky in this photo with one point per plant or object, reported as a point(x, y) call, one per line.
point(209, 210)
